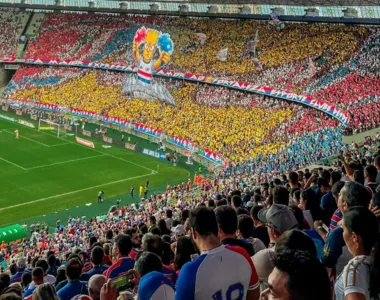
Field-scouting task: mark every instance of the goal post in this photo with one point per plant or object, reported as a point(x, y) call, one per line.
point(56, 129)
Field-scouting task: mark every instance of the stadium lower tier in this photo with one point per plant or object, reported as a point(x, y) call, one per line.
point(238, 126)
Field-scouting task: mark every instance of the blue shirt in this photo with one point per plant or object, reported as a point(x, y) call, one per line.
point(333, 247)
point(122, 265)
point(95, 270)
point(29, 291)
point(72, 289)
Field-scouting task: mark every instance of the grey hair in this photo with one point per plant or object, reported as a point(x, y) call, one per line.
point(45, 291)
point(355, 194)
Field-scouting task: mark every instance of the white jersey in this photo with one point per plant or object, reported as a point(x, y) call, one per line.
point(226, 272)
point(354, 278)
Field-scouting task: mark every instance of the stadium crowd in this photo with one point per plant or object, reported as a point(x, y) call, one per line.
point(203, 113)
point(230, 237)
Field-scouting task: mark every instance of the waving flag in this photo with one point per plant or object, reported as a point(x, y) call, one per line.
point(201, 37)
point(253, 43)
point(222, 54)
point(312, 67)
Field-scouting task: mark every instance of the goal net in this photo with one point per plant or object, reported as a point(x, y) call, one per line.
point(56, 129)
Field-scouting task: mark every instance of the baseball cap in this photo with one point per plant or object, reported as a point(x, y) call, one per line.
point(179, 230)
point(21, 263)
point(279, 217)
point(155, 286)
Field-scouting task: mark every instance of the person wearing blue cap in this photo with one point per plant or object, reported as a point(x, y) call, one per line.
point(155, 286)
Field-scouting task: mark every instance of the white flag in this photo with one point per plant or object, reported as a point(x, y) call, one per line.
point(222, 54)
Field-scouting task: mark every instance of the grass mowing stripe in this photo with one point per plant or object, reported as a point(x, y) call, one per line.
point(65, 162)
point(73, 192)
point(9, 162)
point(23, 137)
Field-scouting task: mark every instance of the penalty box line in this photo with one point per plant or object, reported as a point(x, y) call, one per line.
point(40, 143)
point(73, 192)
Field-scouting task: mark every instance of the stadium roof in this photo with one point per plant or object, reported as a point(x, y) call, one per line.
point(343, 3)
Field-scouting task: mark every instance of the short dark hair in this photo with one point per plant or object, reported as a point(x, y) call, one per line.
point(322, 182)
point(109, 234)
point(5, 281)
point(255, 211)
point(203, 221)
point(335, 190)
point(93, 240)
point(296, 240)
point(335, 177)
point(38, 272)
point(148, 262)
point(97, 255)
point(236, 201)
point(123, 243)
point(43, 264)
point(74, 268)
point(51, 261)
point(152, 243)
point(300, 266)
point(326, 175)
point(280, 195)
point(359, 176)
point(169, 213)
point(355, 194)
point(226, 218)
point(152, 219)
point(371, 172)
point(245, 225)
point(210, 203)
point(293, 177)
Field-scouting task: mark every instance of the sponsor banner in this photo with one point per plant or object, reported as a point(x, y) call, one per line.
point(86, 133)
point(129, 146)
point(19, 112)
point(7, 118)
point(83, 113)
point(115, 121)
point(68, 127)
point(107, 139)
point(153, 153)
point(25, 123)
point(206, 153)
point(179, 142)
point(4, 108)
point(85, 142)
point(34, 117)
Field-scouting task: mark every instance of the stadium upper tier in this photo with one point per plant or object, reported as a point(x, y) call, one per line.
point(336, 63)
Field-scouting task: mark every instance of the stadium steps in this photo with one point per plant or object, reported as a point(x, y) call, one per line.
point(33, 24)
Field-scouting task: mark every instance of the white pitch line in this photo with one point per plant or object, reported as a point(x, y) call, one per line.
point(9, 162)
point(59, 144)
point(23, 137)
point(73, 192)
point(64, 162)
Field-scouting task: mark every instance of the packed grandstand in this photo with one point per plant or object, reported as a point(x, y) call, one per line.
point(267, 225)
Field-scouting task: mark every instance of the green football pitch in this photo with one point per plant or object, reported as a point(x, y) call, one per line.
point(41, 173)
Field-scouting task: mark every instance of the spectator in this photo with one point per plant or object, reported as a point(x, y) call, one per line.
point(45, 291)
point(244, 232)
point(360, 278)
point(280, 195)
point(290, 278)
point(234, 269)
point(370, 175)
point(122, 248)
point(21, 264)
point(168, 219)
point(97, 255)
point(74, 286)
point(95, 285)
point(295, 240)
point(328, 203)
point(38, 279)
point(312, 211)
point(278, 219)
point(228, 223)
point(336, 254)
point(52, 270)
point(184, 249)
point(259, 231)
point(5, 281)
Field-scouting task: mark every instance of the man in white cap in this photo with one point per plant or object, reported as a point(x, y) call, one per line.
point(21, 264)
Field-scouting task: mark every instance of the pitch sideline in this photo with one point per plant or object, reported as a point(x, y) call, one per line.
point(73, 192)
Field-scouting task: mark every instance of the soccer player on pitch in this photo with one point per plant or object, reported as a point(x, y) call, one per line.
point(16, 133)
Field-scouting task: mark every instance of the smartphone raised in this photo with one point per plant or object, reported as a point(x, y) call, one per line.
point(123, 282)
